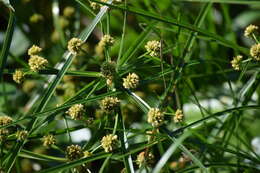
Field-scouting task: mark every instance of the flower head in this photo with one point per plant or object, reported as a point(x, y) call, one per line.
point(34, 50)
point(21, 135)
point(3, 134)
point(18, 76)
point(106, 41)
point(153, 47)
point(250, 30)
point(35, 18)
point(68, 11)
point(74, 152)
point(48, 140)
point(109, 103)
point(145, 158)
point(155, 117)
point(5, 120)
point(236, 62)
point(255, 51)
point(74, 45)
point(131, 81)
point(109, 142)
point(76, 111)
point(37, 63)
point(94, 5)
point(108, 69)
point(178, 116)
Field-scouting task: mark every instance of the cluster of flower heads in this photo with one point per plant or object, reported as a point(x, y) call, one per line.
point(74, 152)
point(4, 132)
point(105, 42)
point(109, 142)
point(153, 48)
point(131, 81)
point(109, 103)
point(76, 111)
point(74, 45)
point(36, 62)
point(155, 117)
point(249, 32)
point(178, 116)
point(48, 140)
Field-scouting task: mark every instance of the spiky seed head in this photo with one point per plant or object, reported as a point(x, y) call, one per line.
point(155, 117)
point(5, 120)
point(74, 152)
point(36, 18)
point(74, 45)
point(76, 111)
point(34, 50)
point(153, 47)
point(109, 142)
point(131, 81)
point(178, 117)
point(109, 103)
point(21, 135)
point(37, 63)
point(106, 41)
point(236, 62)
point(18, 76)
point(145, 159)
point(48, 140)
point(255, 52)
point(68, 11)
point(250, 30)
point(108, 69)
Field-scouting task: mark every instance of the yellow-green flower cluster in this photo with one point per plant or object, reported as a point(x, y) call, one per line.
point(74, 152)
point(36, 18)
point(145, 159)
point(106, 41)
point(87, 154)
point(21, 135)
point(74, 45)
point(131, 81)
point(5, 120)
point(18, 76)
point(153, 47)
point(68, 11)
point(236, 62)
point(109, 142)
point(178, 116)
point(94, 5)
point(250, 30)
point(34, 50)
point(109, 103)
point(76, 111)
point(155, 117)
point(48, 140)
point(37, 63)
point(255, 52)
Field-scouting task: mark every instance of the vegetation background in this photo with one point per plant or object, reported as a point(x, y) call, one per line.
point(220, 131)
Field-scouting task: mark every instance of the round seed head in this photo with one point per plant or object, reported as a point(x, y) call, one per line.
point(155, 117)
point(34, 50)
point(250, 30)
point(255, 52)
point(106, 41)
point(109, 142)
point(109, 103)
point(76, 111)
point(18, 76)
point(74, 45)
point(74, 152)
point(153, 47)
point(108, 69)
point(178, 116)
point(131, 81)
point(48, 140)
point(37, 63)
